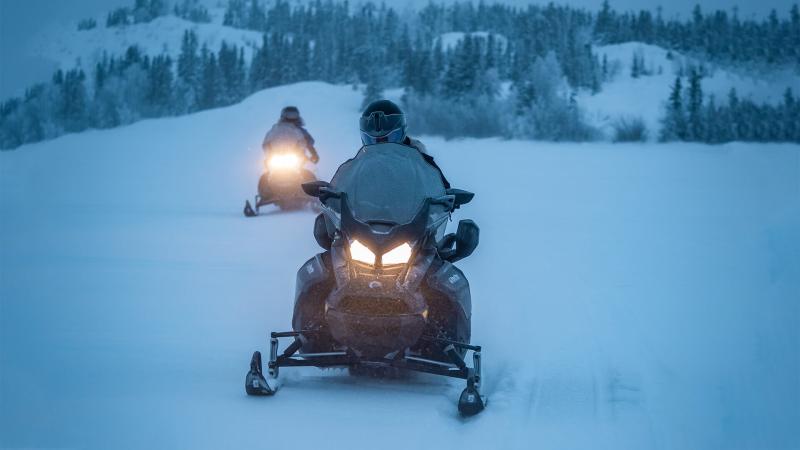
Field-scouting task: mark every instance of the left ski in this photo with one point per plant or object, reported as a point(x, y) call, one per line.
point(255, 383)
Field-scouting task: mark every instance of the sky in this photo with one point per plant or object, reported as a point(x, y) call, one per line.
point(20, 20)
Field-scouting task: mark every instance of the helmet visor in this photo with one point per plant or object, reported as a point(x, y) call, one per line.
point(395, 136)
point(379, 124)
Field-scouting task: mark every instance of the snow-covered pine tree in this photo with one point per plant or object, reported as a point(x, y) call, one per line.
point(259, 66)
point(209, 95)
point(228, 74)
point(160, 88)
point(694, 105)
point(790, 115)
point(256, 17)
point(188, 82)
point(73, 101)
point(673, 125)
point(374, 87)
point(459, 77)
point(235, 14)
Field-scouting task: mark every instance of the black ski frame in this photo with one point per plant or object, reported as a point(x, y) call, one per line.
point(457, 368)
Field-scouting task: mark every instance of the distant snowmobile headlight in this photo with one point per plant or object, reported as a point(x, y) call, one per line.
point(398, 255)
point(283, 161)
point(360, 252)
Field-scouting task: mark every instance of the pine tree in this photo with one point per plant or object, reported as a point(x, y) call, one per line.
point(790, 117)
point(209, 96)
point(602, 27)
point(374, 89)
point(73, 101)
point(460, 75)
point(674, 123)
point(228, 65)
point(694, 106)
point(259, 66)
point(99, 76)
point(188, 84)
point(256, 18)
point(159, 95)
point(739, 128)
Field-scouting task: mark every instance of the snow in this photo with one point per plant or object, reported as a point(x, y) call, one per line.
point(626, 296)
point(626, 97)
point(69, 47)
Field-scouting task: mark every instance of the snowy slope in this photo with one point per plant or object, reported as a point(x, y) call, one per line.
point(625, 96)
point(69, 47)
point(626, 296)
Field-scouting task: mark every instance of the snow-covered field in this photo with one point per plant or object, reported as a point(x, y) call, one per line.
point(626, 296)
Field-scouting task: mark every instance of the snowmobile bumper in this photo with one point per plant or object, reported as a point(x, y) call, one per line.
point(470, 402)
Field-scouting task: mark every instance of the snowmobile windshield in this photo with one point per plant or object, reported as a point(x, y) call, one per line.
point(387, 183)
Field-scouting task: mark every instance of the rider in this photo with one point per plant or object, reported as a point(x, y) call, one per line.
point(384, 121)
point(289, 130)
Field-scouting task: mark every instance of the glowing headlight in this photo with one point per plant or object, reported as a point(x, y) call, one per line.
point(284, 161)
point(360, 252)
point(397, 255)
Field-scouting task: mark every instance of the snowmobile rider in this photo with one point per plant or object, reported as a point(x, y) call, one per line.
point(383, 121)
point(290, 131)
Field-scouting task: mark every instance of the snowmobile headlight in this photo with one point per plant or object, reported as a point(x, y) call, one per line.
point(398, 255)
point(360, 252)
point(284, 161)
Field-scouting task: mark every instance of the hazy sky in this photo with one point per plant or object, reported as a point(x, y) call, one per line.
point(21, 19)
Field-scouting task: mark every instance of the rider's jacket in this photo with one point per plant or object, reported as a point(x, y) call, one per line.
point(290, 135)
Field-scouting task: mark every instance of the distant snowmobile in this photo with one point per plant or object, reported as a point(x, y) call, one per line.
point(288, 148)
point(385, 293)
point(280, 184)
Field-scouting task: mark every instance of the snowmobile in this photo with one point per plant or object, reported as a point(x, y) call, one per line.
point(385, 293)
point(280, 184)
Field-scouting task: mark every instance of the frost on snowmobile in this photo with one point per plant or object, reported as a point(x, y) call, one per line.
point(385, 293)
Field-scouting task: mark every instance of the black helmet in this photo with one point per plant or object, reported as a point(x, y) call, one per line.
point(382, 121)
point(291, 114)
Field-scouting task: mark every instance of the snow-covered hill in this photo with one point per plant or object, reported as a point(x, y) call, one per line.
point(622, 96)
point(69, 47)
point(626, 296)
point(627, 97)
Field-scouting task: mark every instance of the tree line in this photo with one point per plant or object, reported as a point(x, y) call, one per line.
point(512, 72)
point(691, 116)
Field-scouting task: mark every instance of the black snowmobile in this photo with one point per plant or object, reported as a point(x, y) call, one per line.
point(280, 184)
point(385, 293)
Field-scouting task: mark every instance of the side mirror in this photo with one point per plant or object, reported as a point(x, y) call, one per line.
point(465, 240)
point(467, 237)
point(321, 232)
point(462, 197)
point(314, 188)
point(320, 189)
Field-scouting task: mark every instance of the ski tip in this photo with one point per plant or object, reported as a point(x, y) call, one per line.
point(248, 209)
